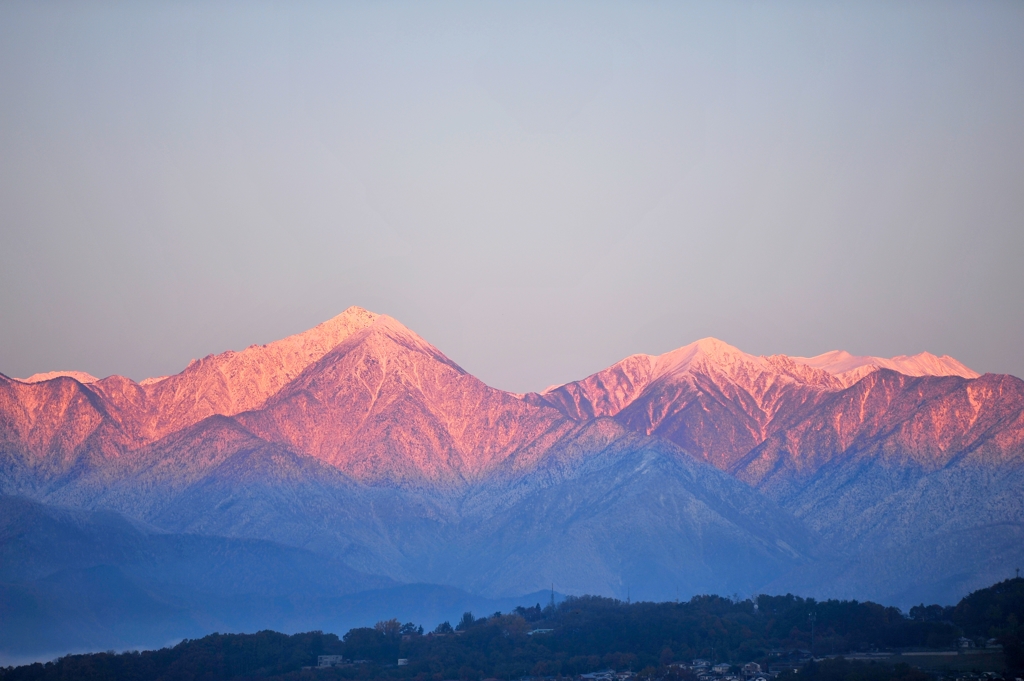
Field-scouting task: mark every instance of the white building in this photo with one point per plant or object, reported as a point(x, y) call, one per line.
point(329, 660)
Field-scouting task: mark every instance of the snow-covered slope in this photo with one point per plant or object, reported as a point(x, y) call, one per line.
point(227, 383)
point(710, 398)
point(53, 425)
point(386, 407)
point(885, 460)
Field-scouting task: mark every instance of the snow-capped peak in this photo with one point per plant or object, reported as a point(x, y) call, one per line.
point(851, 368)
point(710, 351)
point(79, 376)
point(327, 335)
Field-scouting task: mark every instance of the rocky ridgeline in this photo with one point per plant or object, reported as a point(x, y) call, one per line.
point(702, 470)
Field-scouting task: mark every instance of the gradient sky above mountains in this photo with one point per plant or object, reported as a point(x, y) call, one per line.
point(538, 191)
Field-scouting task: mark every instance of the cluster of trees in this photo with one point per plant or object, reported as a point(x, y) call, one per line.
point(586, 634)
point(266, 654)
point(996, 612)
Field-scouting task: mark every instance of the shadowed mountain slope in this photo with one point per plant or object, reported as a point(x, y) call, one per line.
point(37, 541)
point(73, 580)
point(608, 510)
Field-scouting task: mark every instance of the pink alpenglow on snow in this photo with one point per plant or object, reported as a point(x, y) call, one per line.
point(851, 368)
point(367, 396)
point(79, 376)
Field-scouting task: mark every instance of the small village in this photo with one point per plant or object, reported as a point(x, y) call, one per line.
point(935, 663)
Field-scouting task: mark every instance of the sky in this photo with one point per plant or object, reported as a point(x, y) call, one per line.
point(538, 189)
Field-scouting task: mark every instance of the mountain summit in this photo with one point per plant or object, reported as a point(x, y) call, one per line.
point(386, 406)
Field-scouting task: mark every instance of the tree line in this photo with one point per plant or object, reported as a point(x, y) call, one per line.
point(586, 634)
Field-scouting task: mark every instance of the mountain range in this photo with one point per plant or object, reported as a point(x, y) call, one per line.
point(362, 455)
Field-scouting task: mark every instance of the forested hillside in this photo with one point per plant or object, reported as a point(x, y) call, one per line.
point(577, 636)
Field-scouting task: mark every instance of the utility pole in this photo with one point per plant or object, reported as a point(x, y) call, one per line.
point(812, 618)
point(552, 594)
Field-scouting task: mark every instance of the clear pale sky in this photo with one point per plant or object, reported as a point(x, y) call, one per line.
point(538, 189)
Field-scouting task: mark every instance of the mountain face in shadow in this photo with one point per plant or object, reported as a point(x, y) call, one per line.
point(73, 580)
point(359, 444)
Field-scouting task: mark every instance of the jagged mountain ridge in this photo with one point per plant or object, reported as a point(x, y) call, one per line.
point(360, 440)
point(708, 397)
point(718, 402)
point(385, 406)
point(50, 427)
point(335, 390)
point(917, 442)
point(223, 384)
point(297, 471)
point(872, 459)
point(707, 386)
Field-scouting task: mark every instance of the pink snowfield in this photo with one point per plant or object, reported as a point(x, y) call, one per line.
point(366, 395)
